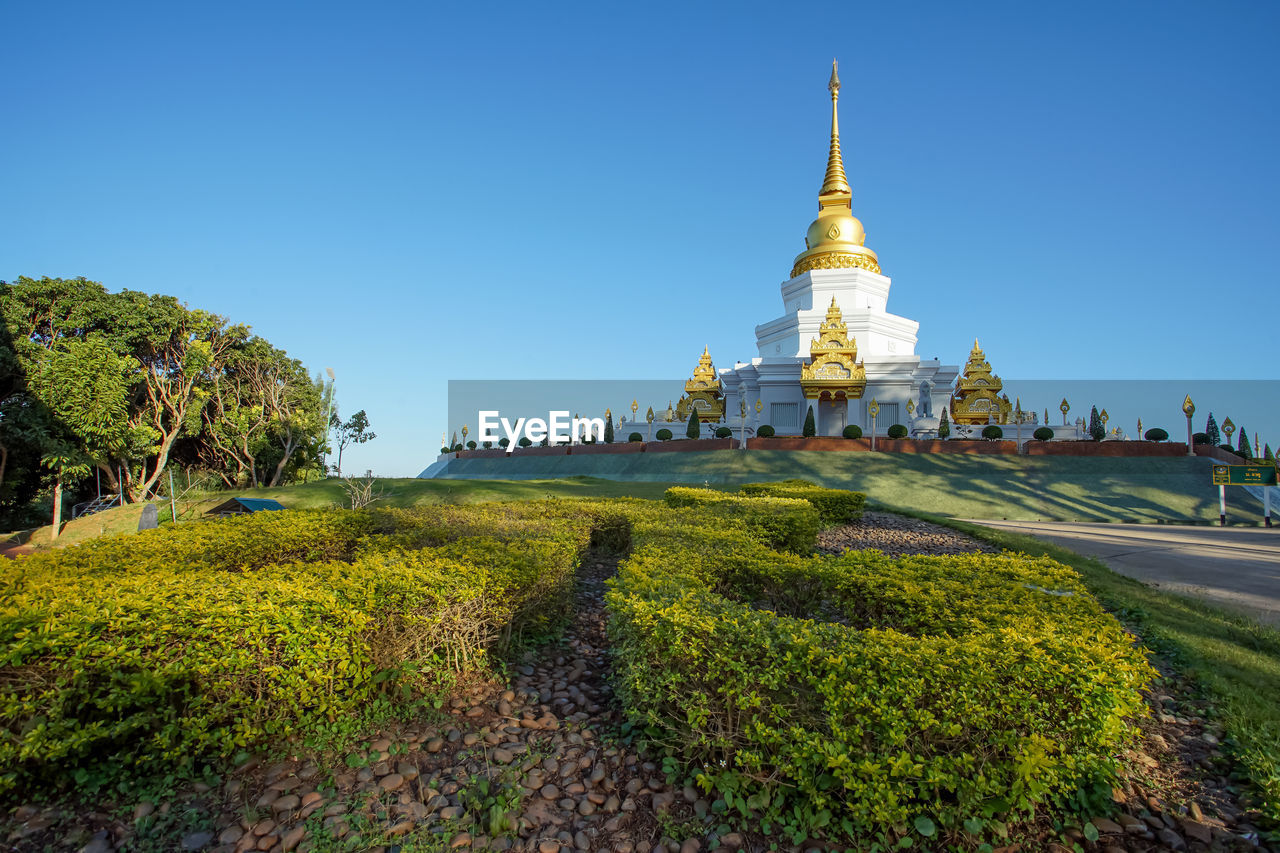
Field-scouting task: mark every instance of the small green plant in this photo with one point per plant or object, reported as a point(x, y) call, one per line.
point(608, 428)
point(504, 442)
point(991, 432)
point(694, 427)
point(471, 445)
point(1200, 438)
point(635, 436)
point(852, 431)
point(1156, 434)
point(663, 434)
point(724, 432)
point(1044, 433)
point(525, 441)
point(897, 431)
point(1096, 430)
point(810, 424)
point(765, 431)
point(944, 425)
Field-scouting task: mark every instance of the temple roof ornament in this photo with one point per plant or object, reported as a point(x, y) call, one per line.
point(703, 392)
point(833, 371)
point(977, 398)
point(835, 239)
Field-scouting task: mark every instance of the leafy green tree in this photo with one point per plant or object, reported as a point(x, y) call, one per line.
point(608, 428)
point(694, 428)
point(944, 425)
point(1267, 454)
point(66, 464)
point(810, 425)
point(355, 430)
point(177, 351)
point(1096, 430)
point(1211, 430)
point(1242, 445)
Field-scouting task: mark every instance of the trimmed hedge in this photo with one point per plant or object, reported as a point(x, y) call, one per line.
point(853, 697)
point(897, 431)
point(852, 431)
point(834, 506)
point(789, 524)
point(765, 431)
point(131, 656)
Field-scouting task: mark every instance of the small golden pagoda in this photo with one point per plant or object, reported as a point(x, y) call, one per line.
point(834, 240)
point(703, 393)
point(977, 399)
point(833, 371)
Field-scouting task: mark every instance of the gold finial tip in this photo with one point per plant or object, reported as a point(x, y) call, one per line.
point(833, 85)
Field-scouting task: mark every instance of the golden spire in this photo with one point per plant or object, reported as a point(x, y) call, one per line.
point(835, 180)
point(835, 240)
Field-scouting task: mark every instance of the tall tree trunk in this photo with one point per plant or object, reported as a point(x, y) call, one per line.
point(4, 462)
point(340, 448)
point(289, 447)
point(57, 507)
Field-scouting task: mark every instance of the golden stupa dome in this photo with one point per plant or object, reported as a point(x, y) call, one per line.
point(835, 239)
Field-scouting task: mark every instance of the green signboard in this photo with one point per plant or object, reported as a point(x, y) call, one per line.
point(1244, 475)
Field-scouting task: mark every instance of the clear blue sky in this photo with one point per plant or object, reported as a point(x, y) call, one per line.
point(410, 193)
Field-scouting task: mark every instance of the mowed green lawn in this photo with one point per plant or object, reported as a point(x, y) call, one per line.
point(1049, 488)
point(408, 491)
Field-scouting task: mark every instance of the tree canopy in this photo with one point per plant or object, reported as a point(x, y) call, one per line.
point(127, 381)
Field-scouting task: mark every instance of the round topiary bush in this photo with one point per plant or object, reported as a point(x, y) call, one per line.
point(852, 431)
point(1156, 434)
point(525, 441)
point(635, 436)
point(723, 432)
point(504, 442)
point(1226, 447)
point(1200, 438)
point(1042, 434)
point(471, 445)
point(765, 431)
point(444, 450)
point(897, 431)
point(664, 434)
point(992, 432)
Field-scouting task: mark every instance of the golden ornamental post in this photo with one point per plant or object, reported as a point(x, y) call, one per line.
point(1064, 407)
point(873, 410)
point(1189, 409)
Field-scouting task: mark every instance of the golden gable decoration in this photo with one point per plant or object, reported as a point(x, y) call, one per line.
point(703, 393)
point(977, 399)
point(833, 371)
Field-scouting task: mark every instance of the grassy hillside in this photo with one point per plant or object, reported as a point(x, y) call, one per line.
point(413, 492)
point(1029, 488)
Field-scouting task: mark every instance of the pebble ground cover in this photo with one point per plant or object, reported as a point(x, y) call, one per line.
point(581, 675)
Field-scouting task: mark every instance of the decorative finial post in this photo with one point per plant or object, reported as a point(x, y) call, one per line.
point(835, 182)
point(1189, 409)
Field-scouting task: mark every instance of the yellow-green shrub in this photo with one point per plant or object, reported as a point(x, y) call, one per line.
point(834, 506)
point(233, 544)
point(944, 688)
point(790, 524)
point(111, 672)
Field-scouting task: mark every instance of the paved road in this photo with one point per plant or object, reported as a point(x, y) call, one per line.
point(1236, 567)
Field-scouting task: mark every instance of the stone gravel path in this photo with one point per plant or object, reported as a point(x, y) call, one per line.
point(898, 535)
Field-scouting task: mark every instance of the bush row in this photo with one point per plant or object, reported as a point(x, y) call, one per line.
point(229, 544)
point(113, 672)
point(789, 524)
point(837, 696)
point(834, 506)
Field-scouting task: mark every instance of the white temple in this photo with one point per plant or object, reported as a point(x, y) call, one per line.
point(836, 347)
